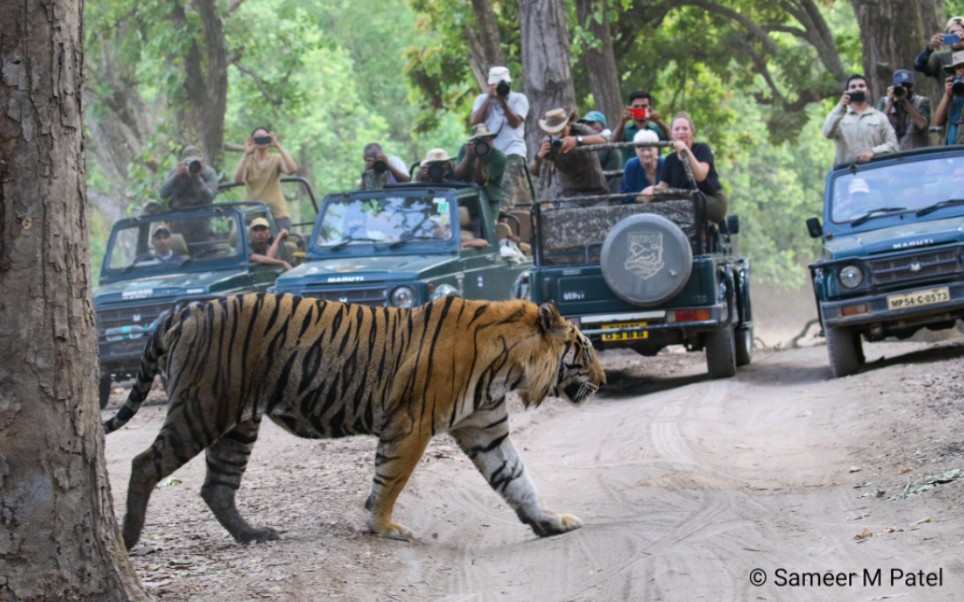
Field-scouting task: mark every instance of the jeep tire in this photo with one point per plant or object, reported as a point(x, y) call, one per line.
point(845, 350)
point(721, 352)
point(744, 345)
point(646, 259)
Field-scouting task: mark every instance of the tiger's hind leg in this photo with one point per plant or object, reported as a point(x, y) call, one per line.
point(173, 447)
point(395, 460)
point(227, 459)
point(495, 456)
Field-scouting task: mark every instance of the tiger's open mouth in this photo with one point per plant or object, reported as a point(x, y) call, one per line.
point(580, 392)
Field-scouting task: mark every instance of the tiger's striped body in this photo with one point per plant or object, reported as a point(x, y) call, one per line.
point(326, 369)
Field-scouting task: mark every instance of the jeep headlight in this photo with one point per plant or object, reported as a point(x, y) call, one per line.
point(444, 290)
point(851, 276)
point(403, 296)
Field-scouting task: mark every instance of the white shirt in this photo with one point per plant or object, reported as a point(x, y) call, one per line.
point(510, 140)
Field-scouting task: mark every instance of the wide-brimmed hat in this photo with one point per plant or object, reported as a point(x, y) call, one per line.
point(556, 120)
point(903, 76)
point(259, 221)
point(162, 229)
point(191, 152)
point(594, 117)
point(479, 130)
point(435, 155)
point(956, 59)
point(498, 74)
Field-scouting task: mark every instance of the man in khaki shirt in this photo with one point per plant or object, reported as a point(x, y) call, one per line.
point(860, 131)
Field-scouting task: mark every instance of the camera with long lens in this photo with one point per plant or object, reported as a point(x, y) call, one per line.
point(900, 91)
point(437, 171)
point(502, 88)
point(555, 142)
point(957, 86)
point(482, 148)
point(379, 166)
point(193, 165)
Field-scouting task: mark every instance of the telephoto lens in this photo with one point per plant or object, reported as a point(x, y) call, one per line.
point(193, 165)
point(502, 88)
point(481, 148)
point(957, 87)
point(900, 91)
point(379, 166)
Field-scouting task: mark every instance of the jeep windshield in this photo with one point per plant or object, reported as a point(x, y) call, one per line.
point(390, 221)
point(170, 242)
point(922, 187)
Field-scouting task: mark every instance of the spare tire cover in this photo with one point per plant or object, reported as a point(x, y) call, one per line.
point(646, 259)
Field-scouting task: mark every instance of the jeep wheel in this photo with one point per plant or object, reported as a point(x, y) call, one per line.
point(845, 350)
point(646, 259)
point(744, 345)
point(721, 353)
point(103, 391)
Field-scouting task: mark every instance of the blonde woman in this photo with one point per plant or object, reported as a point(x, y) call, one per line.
point(700, 159)
point(260, 172)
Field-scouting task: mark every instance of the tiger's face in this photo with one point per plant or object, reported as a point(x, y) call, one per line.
point(580, 374)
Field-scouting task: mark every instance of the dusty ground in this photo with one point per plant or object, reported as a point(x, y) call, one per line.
point(685, 486)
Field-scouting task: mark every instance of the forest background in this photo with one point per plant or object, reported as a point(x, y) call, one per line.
point(330, 76)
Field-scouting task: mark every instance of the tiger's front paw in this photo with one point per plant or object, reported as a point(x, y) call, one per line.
point(554, 523)
point(391, 530)
point(257, 535)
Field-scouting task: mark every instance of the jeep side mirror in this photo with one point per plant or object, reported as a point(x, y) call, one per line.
point(733, 224)
point(813, 227)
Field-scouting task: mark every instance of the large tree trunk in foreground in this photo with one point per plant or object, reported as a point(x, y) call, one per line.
point(59, 539)
point(545, 61)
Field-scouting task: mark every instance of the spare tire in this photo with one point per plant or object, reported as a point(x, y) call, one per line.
point(646, 259)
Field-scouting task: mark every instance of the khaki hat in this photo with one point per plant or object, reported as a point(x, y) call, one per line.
point(556, 120)
point(435, 155)
point(259, 221)
point(479, 130)
point(498, 74)
point(191, 152)
point(956, 59)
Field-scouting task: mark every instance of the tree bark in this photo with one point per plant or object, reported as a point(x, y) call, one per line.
point(601, 61)
point(485, 44)
point(59, 539)
point(545, 61)
point(892, 32)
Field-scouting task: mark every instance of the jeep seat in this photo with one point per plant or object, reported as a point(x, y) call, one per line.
point(177, 244)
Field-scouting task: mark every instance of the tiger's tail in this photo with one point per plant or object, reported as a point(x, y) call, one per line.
point(153, 350)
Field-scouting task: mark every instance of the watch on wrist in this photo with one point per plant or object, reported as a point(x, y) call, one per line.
point(578, 140)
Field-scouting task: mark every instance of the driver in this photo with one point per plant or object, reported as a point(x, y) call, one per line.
point(264, 249)
point(356, 227)
point(160, 248)
point(856, 201)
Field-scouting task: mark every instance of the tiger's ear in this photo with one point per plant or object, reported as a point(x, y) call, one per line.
point(551, 322)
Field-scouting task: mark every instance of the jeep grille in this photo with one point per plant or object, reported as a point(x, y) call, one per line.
point(366, 296)
point(110, 321)
point(915, 267)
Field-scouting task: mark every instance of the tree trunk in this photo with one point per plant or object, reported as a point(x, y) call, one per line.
point(892, 32)
point(601, 61)
point(59, 539)
point(545, 61)
point(485, 44)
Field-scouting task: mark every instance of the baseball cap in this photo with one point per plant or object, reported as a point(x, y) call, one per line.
point(594, 117)
point(159, 231)
point(259, 221)
point(903, 76)
point(497, 74)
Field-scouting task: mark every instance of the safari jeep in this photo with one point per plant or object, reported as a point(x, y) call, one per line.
point(893, 237)
point(406, 245)
point(646, 275)
point(136, 287)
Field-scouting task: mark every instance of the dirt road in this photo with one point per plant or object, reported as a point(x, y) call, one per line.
point(685, 485)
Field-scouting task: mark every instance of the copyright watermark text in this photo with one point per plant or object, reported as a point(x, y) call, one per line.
point(782, 577)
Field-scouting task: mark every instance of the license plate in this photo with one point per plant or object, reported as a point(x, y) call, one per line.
point(919, 298)
point(625, 336)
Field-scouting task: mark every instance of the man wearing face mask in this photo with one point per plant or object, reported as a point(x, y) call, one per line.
point(860, 131)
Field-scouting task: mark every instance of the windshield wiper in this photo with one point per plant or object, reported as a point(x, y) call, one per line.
point(348, 239)
point(875, 213)
point(407, 239)
point(936, 206)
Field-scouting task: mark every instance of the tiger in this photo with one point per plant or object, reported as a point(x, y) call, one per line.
point(325, 369)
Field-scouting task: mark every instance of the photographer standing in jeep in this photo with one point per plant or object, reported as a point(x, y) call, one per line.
point(381, 169)
point(192, 182)
point(579, 173)
point(860, 131)
point(909, 113)
point(638, 116)
point(480, 162)
point(504, 111)
point(949, 112)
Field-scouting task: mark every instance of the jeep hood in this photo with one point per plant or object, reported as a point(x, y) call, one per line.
point(171, 285)
point(896, 238)
point(363, 269)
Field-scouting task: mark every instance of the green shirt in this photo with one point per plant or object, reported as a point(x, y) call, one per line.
point(493, 168)
point(629, 132)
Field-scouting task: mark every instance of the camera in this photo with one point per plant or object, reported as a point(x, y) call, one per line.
point(502, 88)
point(950, 39)
point(900, 91)
point(640, 113)
point(262, 140)
point(857, 96)
point(482, 148)
point(957, 86)
point(555, 142)
point(193, 165)
point(379, 166)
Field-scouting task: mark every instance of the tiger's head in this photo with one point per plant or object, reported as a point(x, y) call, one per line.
point(568, 366)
